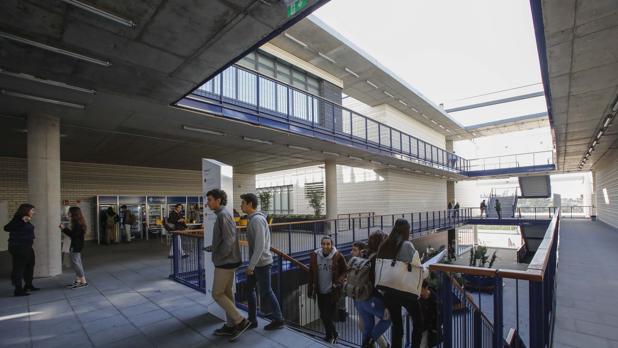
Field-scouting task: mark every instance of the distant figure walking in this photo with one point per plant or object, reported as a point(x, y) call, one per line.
point(499, 209)
point(449, 209)
point(483, 208)
point(456, 210)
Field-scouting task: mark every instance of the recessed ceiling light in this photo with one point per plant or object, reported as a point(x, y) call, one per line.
point(257, 140)
point(295, 40)
point(371, 84)
point(202, 130)
point(351, 72)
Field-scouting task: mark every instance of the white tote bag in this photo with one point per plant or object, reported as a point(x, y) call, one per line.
point(398, 275)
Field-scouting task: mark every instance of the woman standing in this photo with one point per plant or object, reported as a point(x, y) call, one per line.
point(327, 273)
point(76, 233)
point(21, 238)
point(398, 247)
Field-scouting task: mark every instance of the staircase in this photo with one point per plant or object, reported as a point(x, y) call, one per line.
point(508, 201)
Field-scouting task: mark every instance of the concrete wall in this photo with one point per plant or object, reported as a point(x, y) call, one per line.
point(365, 190)
point(606, 187)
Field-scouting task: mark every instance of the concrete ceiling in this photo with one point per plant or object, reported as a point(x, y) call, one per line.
point(581, 42)
point(321, 40)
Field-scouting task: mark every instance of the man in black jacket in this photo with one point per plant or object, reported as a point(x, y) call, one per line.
point(21, 238)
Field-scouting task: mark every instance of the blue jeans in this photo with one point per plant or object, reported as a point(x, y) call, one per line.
point(368, 310)
point(261, 278)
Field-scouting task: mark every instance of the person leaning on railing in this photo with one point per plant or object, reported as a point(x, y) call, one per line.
point(327, 271)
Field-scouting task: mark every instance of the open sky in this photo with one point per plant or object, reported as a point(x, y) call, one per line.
point(449, 49)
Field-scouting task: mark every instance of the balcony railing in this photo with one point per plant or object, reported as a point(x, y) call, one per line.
point(279, 105)
point(531, 159)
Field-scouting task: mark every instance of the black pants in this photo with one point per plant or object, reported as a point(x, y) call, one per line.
point(23, 265)
point(327, 307)
point(394, 300)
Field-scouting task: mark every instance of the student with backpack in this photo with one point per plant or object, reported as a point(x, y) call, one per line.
point(260, 263)
point(367, 300)
point(327, 271)
point(76, 232)
point(397, 250)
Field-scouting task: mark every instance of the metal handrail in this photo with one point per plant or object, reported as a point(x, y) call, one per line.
point(444, 159)
point(515, 154)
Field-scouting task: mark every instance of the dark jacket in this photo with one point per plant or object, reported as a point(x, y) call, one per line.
point(76, 233)
point(173, 219)
point(21, 233)
point(432, 321)
point(339, 271)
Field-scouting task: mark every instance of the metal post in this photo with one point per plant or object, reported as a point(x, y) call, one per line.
point(175, 255)
point(446, 293)
point(498, 315)
point(353, 231)
point(279, 280)
point(536, 314)
point(478, 329)
point(200, 264)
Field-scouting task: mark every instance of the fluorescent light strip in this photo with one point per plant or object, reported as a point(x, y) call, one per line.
point(351, 72)
point(295, 40)
point(594, 143)
point(608, 120)
point(376, 162)
point(294, 147)
point(388, 94)
point(615, 107)
point(102, 13)
point(441, 126)
point(402, 102)
point(355, 158)
point(327, 57)
point(434, 122)
point(422, 114)
point(413, 109)
point(371, 84)
point(330, 153)
point(47, 82)
point(257, 140)
point(600, 134)
point(448, 130)
point(202, 130)
point(41, 99)
point(54, 49)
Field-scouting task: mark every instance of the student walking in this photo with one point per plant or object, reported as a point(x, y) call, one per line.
point(225, 250)
point(456, 209)
point(499, 209)
point(260, 263)
point(128, 219)
point(111, 221)
point(398, 247)
point(483, 208)
point(76, 232)
point(327, 271)
point(371, 307)
point(21, 238)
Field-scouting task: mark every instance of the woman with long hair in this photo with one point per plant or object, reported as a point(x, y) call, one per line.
point(398, 247)
point(21, 238)
point(76, 232)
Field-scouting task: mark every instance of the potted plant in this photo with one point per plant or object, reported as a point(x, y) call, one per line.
point(479, 258)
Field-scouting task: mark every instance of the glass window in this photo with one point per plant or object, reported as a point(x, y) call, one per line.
point(266, 66)
point(283, 73)
point(248, 61)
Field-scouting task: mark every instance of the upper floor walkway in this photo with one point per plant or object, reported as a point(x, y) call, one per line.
point(245, 95)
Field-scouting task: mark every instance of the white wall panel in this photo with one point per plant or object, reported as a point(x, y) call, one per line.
point(606, 184)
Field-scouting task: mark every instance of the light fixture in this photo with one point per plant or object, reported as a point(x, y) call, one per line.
point(388, 94)
point(327, 57)
point(376, 162)
point(600, 134)
point(257, 140)
point(202, 130)
point(434, 122)
point(41, 99)
point(402, 102)
point(294, 147)
point(371, 84)
point(422, 114)
point(355, 158)
point(47, 82)
point(392, 166)
point(295, 40)
point(334, 154)
point(615, 107)
point(54, 49)
point(351, 72)
point(448, 130)
point(407, 169)
point(414, 109)
point(608, 120)
point(97, 11)
point(594, 143)
point(441, 126)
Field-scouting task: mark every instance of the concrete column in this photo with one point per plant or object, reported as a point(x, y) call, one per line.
point(44, 191)
point(330, 183)
point(476, 235)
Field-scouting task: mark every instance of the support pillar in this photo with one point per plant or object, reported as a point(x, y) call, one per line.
point(330, 183)
point(44, 191)
point(476, 235)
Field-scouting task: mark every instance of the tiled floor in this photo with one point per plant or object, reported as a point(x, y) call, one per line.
point(587, 301)
point(129, 303)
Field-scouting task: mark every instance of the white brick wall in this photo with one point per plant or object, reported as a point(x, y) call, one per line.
point(606, 184)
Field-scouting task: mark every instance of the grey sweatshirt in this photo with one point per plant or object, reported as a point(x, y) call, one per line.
point(406, 253)
point(258, 235)
point(225, 245)
point(325, 270)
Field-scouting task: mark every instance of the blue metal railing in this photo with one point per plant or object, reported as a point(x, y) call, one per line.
point(302, 112)
point(530, 159)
